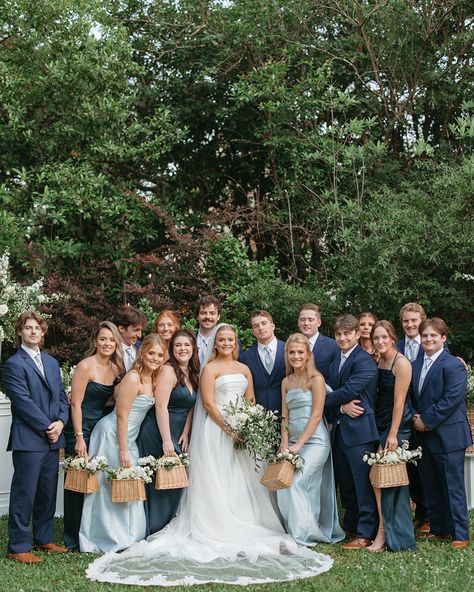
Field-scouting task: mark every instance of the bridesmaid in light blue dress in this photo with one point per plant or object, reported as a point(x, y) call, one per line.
point(308, 507)
point(105, 525)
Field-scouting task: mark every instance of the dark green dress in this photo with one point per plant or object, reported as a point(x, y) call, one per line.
point(399, 533)
point(161, 505)
point(95, 397)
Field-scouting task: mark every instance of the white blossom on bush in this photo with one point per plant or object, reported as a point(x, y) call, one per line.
point(15, 298)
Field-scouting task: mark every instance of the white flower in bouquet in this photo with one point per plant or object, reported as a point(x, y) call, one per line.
point(91, 465)
point(139, 473)
point(292, 457)
point(395, 457)
point(3, 309)
point(253, 428)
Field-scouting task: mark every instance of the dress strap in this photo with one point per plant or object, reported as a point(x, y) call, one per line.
point(397, 355)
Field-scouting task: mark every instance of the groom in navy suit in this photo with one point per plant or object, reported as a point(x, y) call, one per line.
point(32, 380)
point(350, 407)
point(266, 360)
point(438, 388)
point(324, 349)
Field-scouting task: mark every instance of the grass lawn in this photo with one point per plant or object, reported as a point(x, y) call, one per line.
point(434, 566)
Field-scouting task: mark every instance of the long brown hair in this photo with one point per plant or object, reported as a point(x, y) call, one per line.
point(193, 364)
point(117, 357)
point(309, 370)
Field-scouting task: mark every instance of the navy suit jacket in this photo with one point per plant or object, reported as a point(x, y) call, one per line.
point(325, 351)
point(36, 401)
point(357, 380)
point(441, 403)
point(267, 387)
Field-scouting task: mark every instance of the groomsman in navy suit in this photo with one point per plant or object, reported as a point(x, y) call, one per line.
point(412, 315)
point(438, 389)
point(130, 323)
point(32, 380)
point(266, 360)
point(353, 378)
point(208, 313)
point(324, 349)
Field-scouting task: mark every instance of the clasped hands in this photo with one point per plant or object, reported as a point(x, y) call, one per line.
point(54, 431)
point(419, 424)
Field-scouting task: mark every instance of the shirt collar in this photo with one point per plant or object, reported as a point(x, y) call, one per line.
point(347, 354)
point(417, 339)
point(435, 356)
point(312, 339)
point(31, 352)
point(272, 346)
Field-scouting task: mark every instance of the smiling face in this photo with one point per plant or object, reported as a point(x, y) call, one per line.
point(31, 334)
point(346, 339)
point(410, 323)
point(105, 342)
point(309, 322)
point(208, 316)
point(382, 340)
point(182, 349)
point(153, 358)
point(365, 326)
point(131, 334)
point(166, 327)
point(263, 329)
point(297, 355)
point(225, 342)
point(431, 340)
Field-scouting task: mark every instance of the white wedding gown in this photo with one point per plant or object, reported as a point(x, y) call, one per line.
point(226, 530)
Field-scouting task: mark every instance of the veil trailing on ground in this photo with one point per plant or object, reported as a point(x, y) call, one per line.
point(226, 530)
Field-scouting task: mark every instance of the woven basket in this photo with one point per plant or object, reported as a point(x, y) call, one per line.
point(175, 478)
point(128, 490)
point(81, 481)
point(278, 475)
point(383, 476)
point(470, 419)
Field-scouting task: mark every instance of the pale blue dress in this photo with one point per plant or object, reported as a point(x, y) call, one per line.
point(107, 525)
point(309, 507)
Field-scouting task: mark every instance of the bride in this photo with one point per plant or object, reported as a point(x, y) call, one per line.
point(226, 530)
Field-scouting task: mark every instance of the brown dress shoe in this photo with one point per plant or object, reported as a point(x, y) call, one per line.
point(357, 544)
point(460, 544)
point(24, 557)
point(51, 548)
point(423, 529)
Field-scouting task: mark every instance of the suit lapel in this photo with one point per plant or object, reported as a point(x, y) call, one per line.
point(279, 354)
point(30, 362)
point(431, 371)
point(345, 370)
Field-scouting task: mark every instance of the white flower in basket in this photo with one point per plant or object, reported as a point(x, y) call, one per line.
point(80, 473)
point(79, 463)
point(389, 467)
point(128, 484)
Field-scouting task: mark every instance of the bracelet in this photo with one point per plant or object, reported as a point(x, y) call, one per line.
point(78, 433)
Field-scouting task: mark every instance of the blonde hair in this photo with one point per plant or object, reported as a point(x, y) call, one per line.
point(149, 341)
point(224, 327)
point(309, 370)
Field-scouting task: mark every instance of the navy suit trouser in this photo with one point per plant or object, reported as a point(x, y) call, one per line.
point(32, 495)
point(417, 492)
point(443, 477)
point(356, 492)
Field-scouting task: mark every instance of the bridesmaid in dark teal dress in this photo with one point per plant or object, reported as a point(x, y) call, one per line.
point(165, 430)
point(93, 384)
point(393, 416)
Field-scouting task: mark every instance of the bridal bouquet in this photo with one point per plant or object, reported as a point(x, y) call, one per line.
point(253, 428)
point(81, 473)
point(389, 467)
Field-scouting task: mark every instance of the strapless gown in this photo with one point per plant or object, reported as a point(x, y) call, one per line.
point(226, 530)
point(105, 525)
point(309, 506)
point(93, 404)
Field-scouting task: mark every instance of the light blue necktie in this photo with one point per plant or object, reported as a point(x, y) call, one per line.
point(39, 363)
point(268, 360)
point(424, 372)
point(343, 361)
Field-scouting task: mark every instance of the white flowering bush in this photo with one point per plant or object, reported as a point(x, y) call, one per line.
point(15, 299)
point(395, 457)
point(77, 463)
point(138, 473)
point(294, 458)
point(66, 376)
point(165, 462)
point(253, 428)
